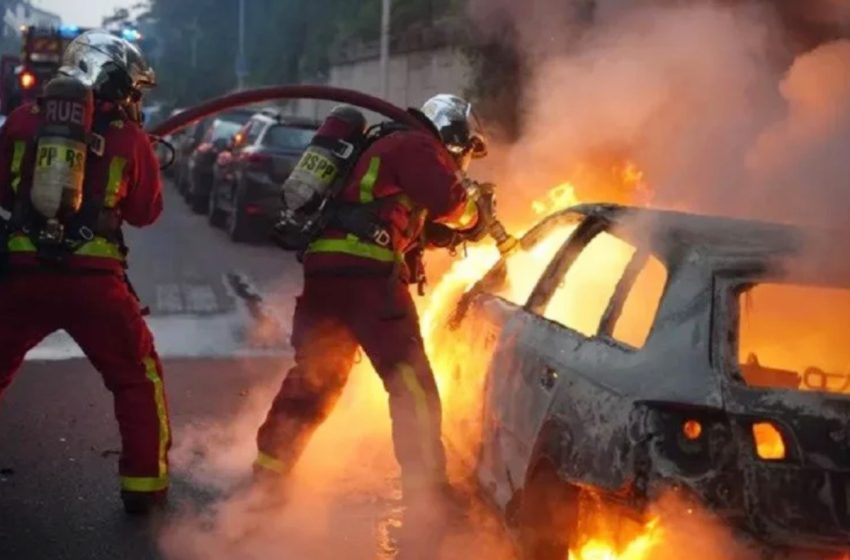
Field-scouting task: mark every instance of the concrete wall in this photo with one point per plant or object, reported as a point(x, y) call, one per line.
point(413, 78)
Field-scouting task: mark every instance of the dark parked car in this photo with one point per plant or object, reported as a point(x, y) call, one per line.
point(627, 352)
point(185, 141)
point(216, 137)
point(245, 197)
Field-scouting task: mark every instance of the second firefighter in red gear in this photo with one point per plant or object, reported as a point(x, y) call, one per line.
point(81, 287)
point(356, 295)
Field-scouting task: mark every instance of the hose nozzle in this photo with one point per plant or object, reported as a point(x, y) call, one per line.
point(505, 242)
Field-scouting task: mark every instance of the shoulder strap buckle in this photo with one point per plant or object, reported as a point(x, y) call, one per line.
point(97, 144)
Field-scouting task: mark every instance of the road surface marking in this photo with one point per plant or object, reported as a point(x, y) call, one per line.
point(169, 298)
point(200, 298)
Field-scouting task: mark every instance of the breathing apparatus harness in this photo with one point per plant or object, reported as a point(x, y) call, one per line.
point(311, 193)
point(58, 213)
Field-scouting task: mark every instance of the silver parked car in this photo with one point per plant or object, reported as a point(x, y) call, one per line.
point(647, 350)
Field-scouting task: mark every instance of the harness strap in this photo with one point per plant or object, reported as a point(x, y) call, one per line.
point(83, 227)
point(20, 148)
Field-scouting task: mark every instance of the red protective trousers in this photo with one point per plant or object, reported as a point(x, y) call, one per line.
point(333, 316)
point(104, 318)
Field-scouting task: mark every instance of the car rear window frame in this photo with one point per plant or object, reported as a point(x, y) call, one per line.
point(261, 141)
point(726, 315)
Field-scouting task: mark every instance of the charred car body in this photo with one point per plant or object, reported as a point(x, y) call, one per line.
point(658, 350)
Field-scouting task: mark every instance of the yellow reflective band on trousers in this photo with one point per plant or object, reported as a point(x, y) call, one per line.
point(352, 245)
point(266, 461)
point(18, 153)
point(160, 482)
point(113, 183)
point(367, 183)
point(97, 247)
point(422, 411)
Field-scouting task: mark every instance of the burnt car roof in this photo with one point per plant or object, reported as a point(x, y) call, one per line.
point(730, 242)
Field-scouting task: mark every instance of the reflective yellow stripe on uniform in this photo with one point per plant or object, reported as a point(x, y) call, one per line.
point(266, 461)
point(113, 183)
point(97, 247)
point(142, 484)
point(421, 409)
point(18, 153)
point(160, 482)
point(20, 243)
point(367, 183)
point(467, 219)
point(352, 245)
point(100, 247)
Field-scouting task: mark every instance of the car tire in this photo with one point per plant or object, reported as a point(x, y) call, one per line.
point(238, 225)
point(215, 216)
point(547, 516)
point(198, 203)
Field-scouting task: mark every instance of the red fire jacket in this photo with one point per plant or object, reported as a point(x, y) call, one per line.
point(418, 180)
point(127, 175)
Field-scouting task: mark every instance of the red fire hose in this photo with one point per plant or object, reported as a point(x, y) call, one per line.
point(259, 95)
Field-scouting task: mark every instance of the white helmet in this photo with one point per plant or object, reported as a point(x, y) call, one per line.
point(458, 125)
point(114, 68)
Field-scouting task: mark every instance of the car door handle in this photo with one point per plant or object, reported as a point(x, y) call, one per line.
point(548, 378)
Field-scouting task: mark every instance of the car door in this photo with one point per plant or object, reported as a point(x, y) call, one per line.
point(474, 354)
point(555, 351)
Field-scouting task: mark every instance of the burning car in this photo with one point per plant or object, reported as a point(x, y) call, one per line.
point(625, 352)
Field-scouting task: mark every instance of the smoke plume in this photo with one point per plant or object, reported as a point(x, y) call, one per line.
point(723, 105)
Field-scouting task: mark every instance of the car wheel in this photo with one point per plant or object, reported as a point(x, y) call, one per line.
point(215, 216)
point(198, 203)
point(238, 224)
point(547, 518)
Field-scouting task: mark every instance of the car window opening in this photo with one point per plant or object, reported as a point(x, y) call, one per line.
point(288, 138)
point(585, 293)
point(524, 268)
point(794, 337)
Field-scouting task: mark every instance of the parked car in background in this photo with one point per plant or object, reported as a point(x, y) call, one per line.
point(247, 177)
point(625, 353)
point(185, 142)
point(216, 136)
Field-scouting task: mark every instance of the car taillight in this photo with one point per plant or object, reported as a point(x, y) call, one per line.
point(27, 79)
point(692, 429)
point(256, 158)
point(768, 440)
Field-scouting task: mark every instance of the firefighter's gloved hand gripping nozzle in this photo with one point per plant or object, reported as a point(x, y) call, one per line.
point(484, 195)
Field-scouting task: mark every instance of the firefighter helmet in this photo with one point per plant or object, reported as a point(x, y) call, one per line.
point(458, 125)
point(114, 68)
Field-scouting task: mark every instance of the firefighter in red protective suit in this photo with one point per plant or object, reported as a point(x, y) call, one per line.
point(355, 294)
point(64, 256)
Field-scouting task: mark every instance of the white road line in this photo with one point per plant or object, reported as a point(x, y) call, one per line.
point(169, 298)
point(200, 298)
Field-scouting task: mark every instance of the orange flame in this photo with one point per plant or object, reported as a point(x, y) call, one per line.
point(638, 548)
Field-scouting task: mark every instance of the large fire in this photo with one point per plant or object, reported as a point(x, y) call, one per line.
point(460, 371)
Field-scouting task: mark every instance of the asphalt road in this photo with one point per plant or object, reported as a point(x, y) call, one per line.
point(223, 360)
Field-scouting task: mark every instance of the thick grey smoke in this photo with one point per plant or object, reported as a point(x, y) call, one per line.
point(714, 101)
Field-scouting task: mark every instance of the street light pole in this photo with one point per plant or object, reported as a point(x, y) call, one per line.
point(385, 48)
point(241, 70)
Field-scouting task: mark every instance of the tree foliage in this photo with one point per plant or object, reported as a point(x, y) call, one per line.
point(285, 40)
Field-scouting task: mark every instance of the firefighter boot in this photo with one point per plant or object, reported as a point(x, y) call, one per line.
point(144, 503)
